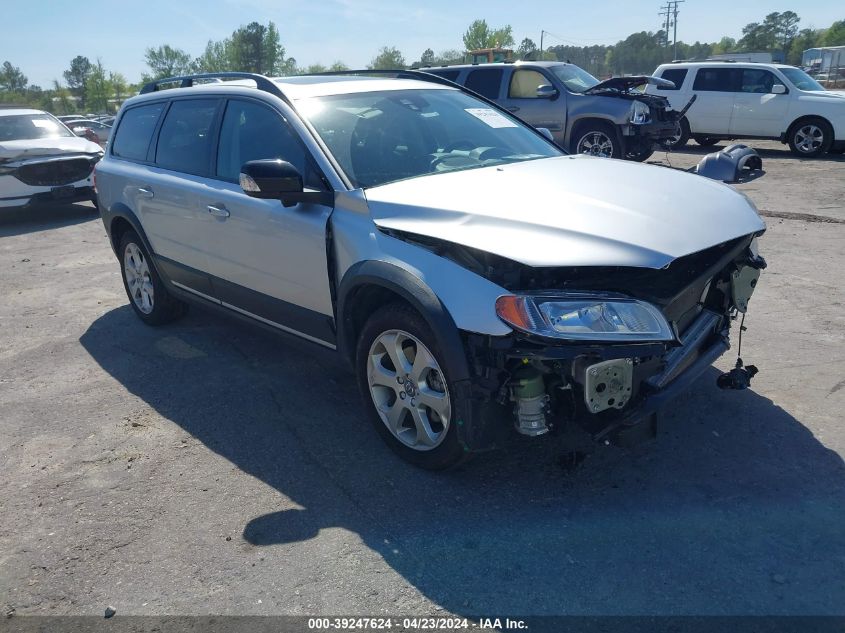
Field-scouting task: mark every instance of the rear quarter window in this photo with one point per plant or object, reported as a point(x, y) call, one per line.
point(133, 135)
point(676, 76)
point(486, 82)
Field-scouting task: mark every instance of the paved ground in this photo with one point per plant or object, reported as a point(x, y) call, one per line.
point(205, 468)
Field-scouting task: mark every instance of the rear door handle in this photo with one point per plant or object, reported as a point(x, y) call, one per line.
point(218, 212)
point(513, 109)
point(145, 192)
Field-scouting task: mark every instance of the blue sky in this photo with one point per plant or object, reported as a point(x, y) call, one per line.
point(41, 36)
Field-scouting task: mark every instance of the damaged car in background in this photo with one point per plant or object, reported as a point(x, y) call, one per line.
point(477, 279)
point(42, 161)
point(612, 118)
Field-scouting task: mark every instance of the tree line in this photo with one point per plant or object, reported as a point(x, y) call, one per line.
point(88, 86)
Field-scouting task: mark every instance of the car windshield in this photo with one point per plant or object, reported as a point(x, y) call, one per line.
point(381, 137)
point(575, 79)
point(26, 127)
point(801, 80)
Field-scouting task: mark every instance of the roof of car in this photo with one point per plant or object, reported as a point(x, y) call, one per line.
point(301, 87)
point(19, 111)
point(722, 63)
point(544, 64)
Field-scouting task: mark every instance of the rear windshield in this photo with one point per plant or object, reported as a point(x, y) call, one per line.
point(380, 137)
point(25, 127)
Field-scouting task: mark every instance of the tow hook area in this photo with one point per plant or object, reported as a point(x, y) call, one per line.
point(608, 384)
point(528, 391)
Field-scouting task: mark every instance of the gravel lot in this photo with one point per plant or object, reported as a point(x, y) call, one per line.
point(207, 468)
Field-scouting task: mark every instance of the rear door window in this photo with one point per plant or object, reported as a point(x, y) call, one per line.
point(717, 79)
point(133, 136)
point(485, 82)
point(184, 143)
point(676, 76)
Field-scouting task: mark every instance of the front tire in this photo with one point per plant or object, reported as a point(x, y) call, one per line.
point(810, 138)
point(682, 137)
point(404, 382)
point(149, 298)
point(597, 138)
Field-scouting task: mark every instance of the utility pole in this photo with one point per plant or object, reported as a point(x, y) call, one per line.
point(670, 11)
point(664, 25)
point(675, 24)
point(541, 44)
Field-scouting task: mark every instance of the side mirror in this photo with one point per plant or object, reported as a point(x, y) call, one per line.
point(546, 91)
point(547, 133)
point(276, 179)
point(778, 89)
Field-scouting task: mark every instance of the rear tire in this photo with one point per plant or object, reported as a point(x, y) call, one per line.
point(706, 141)
point(810, 137)
point(147, 294)
point(401, 371)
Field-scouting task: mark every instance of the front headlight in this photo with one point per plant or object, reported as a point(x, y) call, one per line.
point(585, 318)
point(639, 113)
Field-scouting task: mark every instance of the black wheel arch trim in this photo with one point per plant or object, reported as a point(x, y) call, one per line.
point(413, 290)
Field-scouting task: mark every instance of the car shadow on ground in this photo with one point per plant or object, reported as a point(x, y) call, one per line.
point(32, 220)
point(736, 508)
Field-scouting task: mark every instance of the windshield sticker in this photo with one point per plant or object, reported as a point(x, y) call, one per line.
point(491, 117)
point(43, 123)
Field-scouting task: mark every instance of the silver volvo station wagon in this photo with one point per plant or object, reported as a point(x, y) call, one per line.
point(476, 277)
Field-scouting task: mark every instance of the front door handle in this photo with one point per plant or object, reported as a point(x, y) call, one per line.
point(145, 191)
point(513, 109)
point(218, 212)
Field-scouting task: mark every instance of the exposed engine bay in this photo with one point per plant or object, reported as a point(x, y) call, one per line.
point(608, 388)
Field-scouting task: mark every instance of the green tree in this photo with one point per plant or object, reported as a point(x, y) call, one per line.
point(388, 58)
point(61, 99)
point(724, 45)
point(119, 86)
point(216, 58)
point(98, 89)
point(427, 58)
point(257, 48)
point(314, 69)
point(806, 38)
point(835, 35)
point(11, 78)
point(527, 49)
point(338, 66)
point(445, 58)
point(480, 35)
point(166, 61)
point(77, 77)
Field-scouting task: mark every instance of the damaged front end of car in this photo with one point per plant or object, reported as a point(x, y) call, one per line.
point(652, 123)
point(602, 347)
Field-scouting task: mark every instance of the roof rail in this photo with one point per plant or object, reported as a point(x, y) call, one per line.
point(261, 82)
point(392, 74)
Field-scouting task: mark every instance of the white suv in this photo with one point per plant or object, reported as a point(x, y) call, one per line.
point(750, 100)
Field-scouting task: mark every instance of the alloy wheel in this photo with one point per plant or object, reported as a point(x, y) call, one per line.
point(596, 144)
point(409, 390)
point(809, 138)
point(138, 280)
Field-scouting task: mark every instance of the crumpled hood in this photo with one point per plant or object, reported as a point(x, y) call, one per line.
point(624, 84)
point(21, 150)
point(569, 211)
